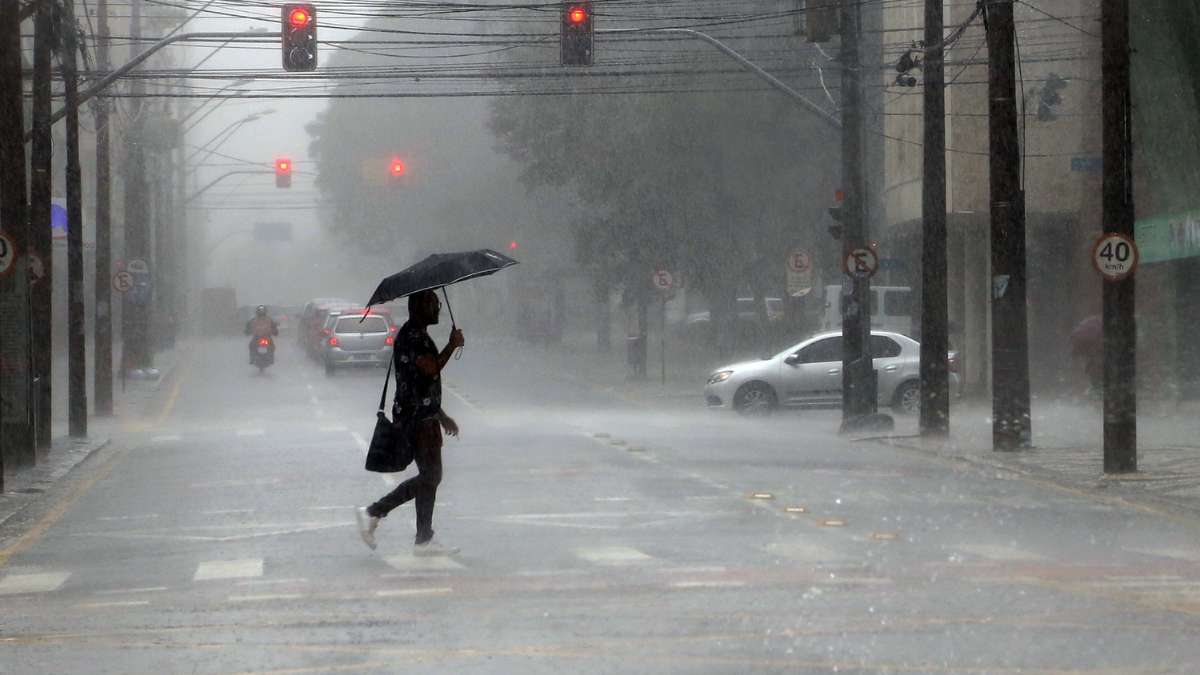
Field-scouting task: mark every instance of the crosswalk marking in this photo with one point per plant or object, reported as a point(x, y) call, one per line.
point(130, 591)
point(996, 552)
point(40, 582)
point(119, 603)
point(411, 563)
point(718, 583)
point(265, 597)
point(229, 569)
point(170, 438)
point(402, 592)
point(613, 555)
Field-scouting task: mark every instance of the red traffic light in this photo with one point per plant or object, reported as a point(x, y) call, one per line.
point(397, 168)
point(577, 15)
point(299, 17)
point(283, 165)
point(283, 172)
point(513, 245)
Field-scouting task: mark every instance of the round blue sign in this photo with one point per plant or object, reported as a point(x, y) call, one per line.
point(58, 220)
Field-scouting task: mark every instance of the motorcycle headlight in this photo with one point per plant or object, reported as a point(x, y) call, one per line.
point(719, 376)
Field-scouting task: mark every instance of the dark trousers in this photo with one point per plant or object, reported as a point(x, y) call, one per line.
point(421, 488)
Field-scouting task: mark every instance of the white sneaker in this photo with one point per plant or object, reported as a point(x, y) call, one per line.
point(433, 547)
point(366, 526)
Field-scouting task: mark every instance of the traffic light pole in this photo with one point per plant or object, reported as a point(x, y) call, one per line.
point(858, 372)
point(102, 389)
point(1011, 422)
point(935, 387)
point(77, 410)
point(1120, 327)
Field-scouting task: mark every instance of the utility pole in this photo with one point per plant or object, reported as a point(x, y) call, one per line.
point(16, 423)
point(1120, 327)
point(858, 372)
point(135, 309)
point(1011, 422)
point(45, 43)
point(935, 387)
point(76, 349)
point(102, 326)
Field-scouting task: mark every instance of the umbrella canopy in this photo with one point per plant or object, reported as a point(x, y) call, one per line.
point(438, 270)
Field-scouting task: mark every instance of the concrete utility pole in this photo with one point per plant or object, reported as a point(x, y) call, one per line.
point(935, 388)
point(135, 308)
point(45, 43)
point(858, 372)
point(1011, 423)
point(102, 325)
point(16, 420)
point(1120, 324)
point(77, 410)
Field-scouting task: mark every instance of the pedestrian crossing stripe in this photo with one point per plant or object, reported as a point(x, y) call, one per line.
point(38, 582)
point(408, 562)
point(229, 569)
point(613, 555)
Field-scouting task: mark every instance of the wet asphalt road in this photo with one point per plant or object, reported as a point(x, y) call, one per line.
point(215, 535)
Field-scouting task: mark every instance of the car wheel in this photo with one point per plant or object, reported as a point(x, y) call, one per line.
point(755, 399)
point(907, 399)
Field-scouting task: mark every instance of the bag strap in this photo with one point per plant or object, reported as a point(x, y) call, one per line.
point(386, 380)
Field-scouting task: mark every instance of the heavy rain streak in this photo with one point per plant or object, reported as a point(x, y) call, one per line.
point(599, 336)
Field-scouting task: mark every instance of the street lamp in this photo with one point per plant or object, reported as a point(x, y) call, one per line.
point(236, 83)
point(227, 132)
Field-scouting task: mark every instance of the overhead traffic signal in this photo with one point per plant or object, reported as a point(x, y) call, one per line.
point(576, 39)
point(835, 212)
point(283, 172)
point(299, 31)
point(397, 168)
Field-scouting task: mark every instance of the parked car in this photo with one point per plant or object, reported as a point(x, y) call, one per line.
point(809, 374)
point(745, 312)
point(312, 318)
point(351, 339)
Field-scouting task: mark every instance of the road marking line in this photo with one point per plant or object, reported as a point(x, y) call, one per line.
point(402, 592)
point(245, 433)
point(229, 569)
point(272, 582)
point(360, 442)
point(470, 406)
point(995, 552)
point(223, 512)
point(121, 603)
point(707, 584)
point(332, 429)
point(410, 562)
point(612, 499)
point(147, 516)
point(170, 438)
point(130, 591)
point(265, 597)
point(613, 555)
point(43, 582)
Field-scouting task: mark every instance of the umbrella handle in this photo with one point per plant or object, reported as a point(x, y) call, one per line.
point(458, 354)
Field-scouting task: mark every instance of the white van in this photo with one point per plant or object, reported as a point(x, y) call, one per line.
point(891, 308)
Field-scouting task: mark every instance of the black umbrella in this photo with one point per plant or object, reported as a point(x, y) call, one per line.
point(438, 271)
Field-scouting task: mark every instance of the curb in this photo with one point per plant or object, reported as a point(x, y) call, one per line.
point(13, 502)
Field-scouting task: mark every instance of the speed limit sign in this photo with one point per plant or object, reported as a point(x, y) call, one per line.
point(663, 280)
point(8, 254)
point(1115, 256)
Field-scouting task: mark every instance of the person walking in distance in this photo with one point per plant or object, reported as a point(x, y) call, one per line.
point(418, 403)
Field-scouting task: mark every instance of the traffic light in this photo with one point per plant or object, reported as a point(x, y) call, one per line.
point(576, 40)
point(299, 31)
point(283, 172)
point(838, 228)
point(397, 168)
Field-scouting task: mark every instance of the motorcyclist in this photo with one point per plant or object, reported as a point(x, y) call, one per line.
point(261, 326)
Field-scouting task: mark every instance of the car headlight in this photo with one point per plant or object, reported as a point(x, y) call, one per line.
point(719, 376)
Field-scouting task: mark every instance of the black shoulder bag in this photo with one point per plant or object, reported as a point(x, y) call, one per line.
point(391, 448)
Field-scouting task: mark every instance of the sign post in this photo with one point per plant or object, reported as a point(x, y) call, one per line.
point(665, 283)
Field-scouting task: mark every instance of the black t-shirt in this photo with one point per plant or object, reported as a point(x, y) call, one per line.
point(417, 394)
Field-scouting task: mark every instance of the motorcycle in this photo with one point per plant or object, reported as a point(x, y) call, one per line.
point(264, 353)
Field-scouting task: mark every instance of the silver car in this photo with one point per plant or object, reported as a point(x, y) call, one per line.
point(810, 374)
point(353, 340)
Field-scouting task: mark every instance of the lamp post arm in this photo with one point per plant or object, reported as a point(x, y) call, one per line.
point(218, 179)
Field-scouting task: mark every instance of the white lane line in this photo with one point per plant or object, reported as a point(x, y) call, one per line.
point(409, 562)
point(330, 508)
point(170, 438)
point(362, 444)
point(999, 553)
point(265, 597)
point(131, 591)
point(120, 603)
point(329, 429)
point(613, 555)
point(246, 433)
point(404, 592)
point(612, 499)
point(229, 569)
point(707, 584)
point(43, 582)
point(225, 512)
point(272, 582)
point(470, 406)
point(145, 516)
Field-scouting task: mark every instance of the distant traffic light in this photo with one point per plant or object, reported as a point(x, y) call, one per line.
point(835, 212)
point(299, 31)
point(397, 168)
point(513, 245)
point(283, 172)
point(576, 38)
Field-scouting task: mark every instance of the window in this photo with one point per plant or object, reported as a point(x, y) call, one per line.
point(897, 303)
point(827, 350)
point(884, 347)
point(372, 324)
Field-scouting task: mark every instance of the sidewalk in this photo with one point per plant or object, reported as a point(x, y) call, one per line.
point(23, 486)
point(1068, 450)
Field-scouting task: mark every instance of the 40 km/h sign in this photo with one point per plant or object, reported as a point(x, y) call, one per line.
point(1115, 256)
